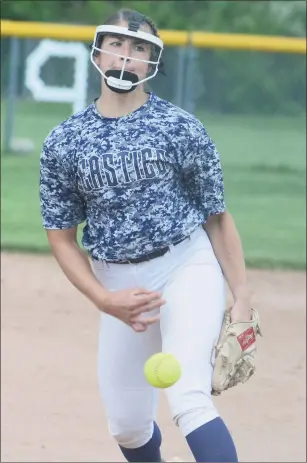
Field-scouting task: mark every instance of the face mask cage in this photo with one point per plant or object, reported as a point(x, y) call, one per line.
point(154, 61)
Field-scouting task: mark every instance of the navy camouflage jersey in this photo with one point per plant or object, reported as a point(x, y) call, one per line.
point(140, 182)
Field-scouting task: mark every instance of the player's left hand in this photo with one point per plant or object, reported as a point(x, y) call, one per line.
point(241, 310)
point(234, 354)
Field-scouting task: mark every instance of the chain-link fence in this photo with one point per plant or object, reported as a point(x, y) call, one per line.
point(202, 81)
point(59, 72)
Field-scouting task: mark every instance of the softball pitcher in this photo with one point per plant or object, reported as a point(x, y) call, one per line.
point(146, 179)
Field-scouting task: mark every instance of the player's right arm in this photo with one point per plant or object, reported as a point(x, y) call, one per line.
point(62, 210)
point(75, 264)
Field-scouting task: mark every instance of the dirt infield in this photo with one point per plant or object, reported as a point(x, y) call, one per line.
point(50, 407)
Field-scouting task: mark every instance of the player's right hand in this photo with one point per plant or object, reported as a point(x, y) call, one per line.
point(128, 305)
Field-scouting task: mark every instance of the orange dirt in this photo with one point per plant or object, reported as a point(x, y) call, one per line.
point(50, 406)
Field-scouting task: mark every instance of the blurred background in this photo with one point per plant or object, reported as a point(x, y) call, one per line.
point(253, 104)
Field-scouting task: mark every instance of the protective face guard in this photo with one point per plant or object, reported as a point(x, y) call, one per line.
point(124, 81)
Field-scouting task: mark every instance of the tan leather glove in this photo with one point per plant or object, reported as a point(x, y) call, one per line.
point(234, 355)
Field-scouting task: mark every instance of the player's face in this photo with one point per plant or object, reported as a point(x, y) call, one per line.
point(127, 47)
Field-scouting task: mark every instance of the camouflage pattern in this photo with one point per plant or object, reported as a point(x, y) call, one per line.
point(140, 182)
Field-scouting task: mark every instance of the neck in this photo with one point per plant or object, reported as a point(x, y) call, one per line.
point(111, 104)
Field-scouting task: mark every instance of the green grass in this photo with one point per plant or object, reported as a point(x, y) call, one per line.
point(264, 163)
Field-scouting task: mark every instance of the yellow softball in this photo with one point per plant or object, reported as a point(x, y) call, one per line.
point(162, 370)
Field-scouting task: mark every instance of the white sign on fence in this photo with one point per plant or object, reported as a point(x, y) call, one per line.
point(76, 94)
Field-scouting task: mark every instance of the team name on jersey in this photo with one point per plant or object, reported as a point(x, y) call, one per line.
point(121, 168)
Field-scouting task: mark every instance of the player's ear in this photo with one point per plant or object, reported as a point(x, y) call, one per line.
point(95, 54)
point(149, 70)
point(153, 57)
point(161, 68)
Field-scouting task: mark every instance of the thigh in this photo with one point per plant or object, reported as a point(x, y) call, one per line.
point(191, 323)
point(126, 395)
point(121, 358)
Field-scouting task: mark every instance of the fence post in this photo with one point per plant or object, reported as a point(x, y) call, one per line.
point(190, 80)
point(12, 93)
point(181, 61)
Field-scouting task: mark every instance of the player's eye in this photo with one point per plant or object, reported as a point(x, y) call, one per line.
point(117, 43)
point(139, 48)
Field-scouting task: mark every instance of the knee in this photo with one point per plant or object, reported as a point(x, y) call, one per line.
point(192, 409)
point(192, 419)
point(129, 436)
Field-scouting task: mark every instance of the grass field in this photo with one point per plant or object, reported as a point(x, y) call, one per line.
point(264, 163)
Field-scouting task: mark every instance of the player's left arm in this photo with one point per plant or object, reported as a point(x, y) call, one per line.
point(227, 246)
point(219, 223)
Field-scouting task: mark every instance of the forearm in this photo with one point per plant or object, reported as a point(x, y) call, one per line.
point(75, 265)
point(227, 247)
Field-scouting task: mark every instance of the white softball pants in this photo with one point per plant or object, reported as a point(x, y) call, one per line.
point(193, 286)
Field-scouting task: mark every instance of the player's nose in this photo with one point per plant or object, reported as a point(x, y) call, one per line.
point(128, 60)
point(126, 50)
point(120, 62)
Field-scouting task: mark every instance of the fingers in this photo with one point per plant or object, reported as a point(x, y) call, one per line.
point(154, 304)
point(150, 321)
point(140, 291)
point(138, 327)
point(142, 301)
point(142, 324)
point(145, 294)
point(151, 301)
point(147, 308)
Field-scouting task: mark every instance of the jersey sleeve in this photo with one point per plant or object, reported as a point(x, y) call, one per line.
point(61, 204)
point(203, 171)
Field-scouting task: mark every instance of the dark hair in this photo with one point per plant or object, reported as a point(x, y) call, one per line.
point(131, 16)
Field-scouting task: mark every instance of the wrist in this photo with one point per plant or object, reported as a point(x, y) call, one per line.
point(242, 294)
point(101, 299)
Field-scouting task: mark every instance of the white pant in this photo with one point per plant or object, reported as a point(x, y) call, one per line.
point(194, 289)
